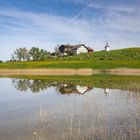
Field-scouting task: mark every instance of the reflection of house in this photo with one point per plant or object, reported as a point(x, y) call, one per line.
point(82, 89)
point(107, 47)
point(77, 49)
point(71, 88)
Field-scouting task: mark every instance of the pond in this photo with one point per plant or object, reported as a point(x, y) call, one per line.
point(44, 109)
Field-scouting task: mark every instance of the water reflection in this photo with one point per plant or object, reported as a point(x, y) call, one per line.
point(55, 117)
point(39, 85)
point(34, 85)
point(72, 88)
point(77, 87)
point(106, 91)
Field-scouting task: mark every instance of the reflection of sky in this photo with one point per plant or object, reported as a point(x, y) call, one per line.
point(46, 23)
point(17, 108)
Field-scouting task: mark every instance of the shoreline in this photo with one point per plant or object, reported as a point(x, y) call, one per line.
point(56, 72)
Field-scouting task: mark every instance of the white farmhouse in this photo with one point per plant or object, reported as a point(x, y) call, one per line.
point(77, 49)
point(81, 49)
point(107, 47)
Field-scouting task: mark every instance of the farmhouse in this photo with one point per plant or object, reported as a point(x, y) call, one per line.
point(77, 49)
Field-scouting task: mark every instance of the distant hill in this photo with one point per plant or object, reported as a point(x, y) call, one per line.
point(128, 58)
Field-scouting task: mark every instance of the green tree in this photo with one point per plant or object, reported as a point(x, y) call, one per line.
point(21, 54)
point(39, 54)
point(44, 54)
point(35, 53)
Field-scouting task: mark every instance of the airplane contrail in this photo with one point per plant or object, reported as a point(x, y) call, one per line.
point(80, 13)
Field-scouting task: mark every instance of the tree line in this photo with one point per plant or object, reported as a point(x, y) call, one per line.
point(35, 54)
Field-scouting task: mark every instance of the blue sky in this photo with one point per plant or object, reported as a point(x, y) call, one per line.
point(46, 23)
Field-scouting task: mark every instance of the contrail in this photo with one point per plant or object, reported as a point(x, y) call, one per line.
point(80, 13)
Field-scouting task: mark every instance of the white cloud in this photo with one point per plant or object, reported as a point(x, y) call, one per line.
point(46, 31)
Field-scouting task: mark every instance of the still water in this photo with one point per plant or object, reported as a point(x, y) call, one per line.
point(44, 110)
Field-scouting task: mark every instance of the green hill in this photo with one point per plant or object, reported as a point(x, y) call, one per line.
point(128, 58)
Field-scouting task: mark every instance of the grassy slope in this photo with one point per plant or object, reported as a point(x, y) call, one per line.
point(129, 58)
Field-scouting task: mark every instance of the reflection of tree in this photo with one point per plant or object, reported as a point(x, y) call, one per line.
point(33, 85)
point(40, 85)
point(21, 84)
point(77, 87)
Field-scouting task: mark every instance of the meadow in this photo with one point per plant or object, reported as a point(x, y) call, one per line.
point(123, 58)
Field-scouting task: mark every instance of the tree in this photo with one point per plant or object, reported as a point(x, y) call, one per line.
point(20, 54)
point(44, 54)
point(57, 51)
point(35, 53)
point(38, 54)
point(57, 48)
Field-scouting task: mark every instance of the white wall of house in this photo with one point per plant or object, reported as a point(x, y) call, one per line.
point(82, 49)
point(107, 48)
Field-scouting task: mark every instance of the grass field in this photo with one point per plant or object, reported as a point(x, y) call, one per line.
point(128, 58)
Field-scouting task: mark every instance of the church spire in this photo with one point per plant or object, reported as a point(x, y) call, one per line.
point(106, 43)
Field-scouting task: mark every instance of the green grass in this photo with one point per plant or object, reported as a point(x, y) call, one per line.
point(129, 58)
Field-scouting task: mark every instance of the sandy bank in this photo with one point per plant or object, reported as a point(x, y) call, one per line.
point(51, 72)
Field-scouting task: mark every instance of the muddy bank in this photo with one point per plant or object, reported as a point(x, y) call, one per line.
point(51, 72)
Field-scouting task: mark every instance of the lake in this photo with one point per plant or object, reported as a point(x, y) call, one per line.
point(44, 109)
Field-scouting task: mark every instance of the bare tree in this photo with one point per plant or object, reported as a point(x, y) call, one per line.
point(57, 48)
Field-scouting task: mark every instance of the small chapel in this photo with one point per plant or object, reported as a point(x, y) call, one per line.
point(107, 47)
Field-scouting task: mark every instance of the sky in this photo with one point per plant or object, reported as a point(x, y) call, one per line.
point(48, 23)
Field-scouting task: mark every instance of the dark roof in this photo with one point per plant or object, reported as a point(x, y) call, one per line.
point(89, 49)
point(75, 47)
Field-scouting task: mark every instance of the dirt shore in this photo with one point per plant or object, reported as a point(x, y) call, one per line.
point(51, 72)
point(124, 71)
point(46, 72)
